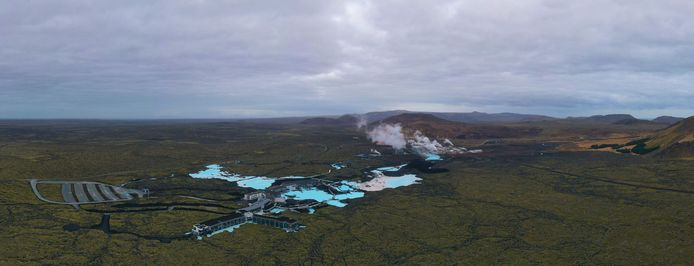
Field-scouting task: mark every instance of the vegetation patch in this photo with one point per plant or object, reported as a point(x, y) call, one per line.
point(602, 146)
point(637, 142)
point(641, 149)
point(624, 150)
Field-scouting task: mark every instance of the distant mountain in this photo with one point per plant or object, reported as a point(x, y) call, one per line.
point(471, 117)
point(410, 118)
point(667, 119)
point(634, 121)
point(434, 126)
point(328, 121)
point(479, 117)
point(277, 120)
point(674, 141)
point(608, 119)
point(378, 116)
point(428, 124)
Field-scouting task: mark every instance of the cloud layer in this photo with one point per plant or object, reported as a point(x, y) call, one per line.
point(166, 59)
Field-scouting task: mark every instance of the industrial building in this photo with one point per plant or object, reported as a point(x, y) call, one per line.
point(221, 223)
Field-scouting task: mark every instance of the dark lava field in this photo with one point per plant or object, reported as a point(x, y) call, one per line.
point(521, 201)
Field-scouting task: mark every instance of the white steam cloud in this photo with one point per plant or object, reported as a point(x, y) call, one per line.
point(387, 134)
point(392, 135)
point(422, 145)
point(361, 122)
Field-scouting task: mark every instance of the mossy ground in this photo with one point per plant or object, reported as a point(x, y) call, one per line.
point(515, 207)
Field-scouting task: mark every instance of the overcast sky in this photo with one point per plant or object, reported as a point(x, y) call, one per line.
point(230, 59)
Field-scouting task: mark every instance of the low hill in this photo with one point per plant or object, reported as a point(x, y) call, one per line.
point(675, 141)
point(434, 126)
point(667, 119)
point(344, 120)
point(634, 121)
point(479, 117)
point(378, 116)
point(468, 117)
point(608, 119)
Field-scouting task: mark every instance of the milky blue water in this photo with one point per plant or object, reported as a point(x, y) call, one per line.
point(433, 157)
point(227, 229)
point(391, 168)
point(338, 166)
point(345, 190)
point(276, 210)
point(322, 196)
point(336, 203)
point(351, 195)
point(214, 171)
point(346, 186)
point(308, 194)
point(401, 181)
point(259, 182)
point(292, 177)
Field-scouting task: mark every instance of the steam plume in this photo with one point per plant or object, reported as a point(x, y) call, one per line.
point(361, 122)
point(422, 145)
point(388, 134)
point(430, 149)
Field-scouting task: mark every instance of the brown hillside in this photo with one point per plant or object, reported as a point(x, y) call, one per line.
point(676, 140)
point(434, 126)
point(345, 120)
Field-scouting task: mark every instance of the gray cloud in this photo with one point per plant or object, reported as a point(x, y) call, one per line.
point(158, 59)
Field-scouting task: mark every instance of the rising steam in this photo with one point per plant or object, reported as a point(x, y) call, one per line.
point(361, 122)
point(387, 134)
point(392, 135)
point(424, 146)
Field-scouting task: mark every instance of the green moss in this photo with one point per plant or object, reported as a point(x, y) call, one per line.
point(641, 149)
point(624, 150)
point(491, 209)
point(602, 146)
point(637, 142)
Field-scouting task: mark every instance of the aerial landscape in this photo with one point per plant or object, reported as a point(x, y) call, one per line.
point(346, 133)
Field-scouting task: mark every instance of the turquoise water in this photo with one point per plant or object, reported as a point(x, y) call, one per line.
point(322, 196)
point(391, 168)
point(308, 194)
point(276, 210)
point(347, 186)
point(401, 181)
point(227, 229)
point(345, 190)
point(259, 182)
point(433, 157)
point(336, 203)
point(338, 166)
point(214, 171)
point(292, 177)
point(351, 195)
